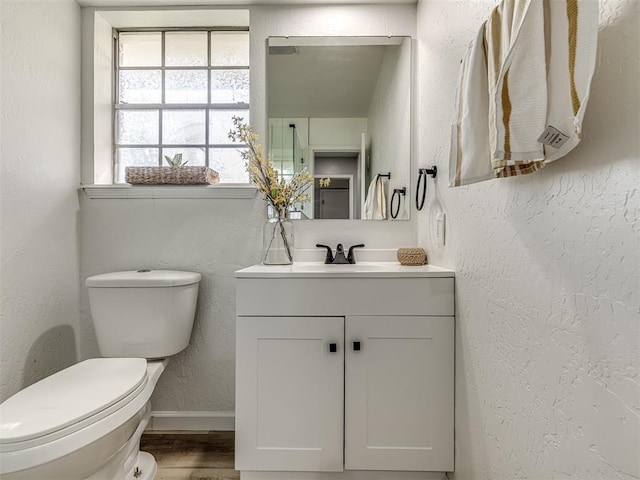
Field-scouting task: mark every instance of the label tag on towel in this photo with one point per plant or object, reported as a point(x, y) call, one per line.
point(553, 137)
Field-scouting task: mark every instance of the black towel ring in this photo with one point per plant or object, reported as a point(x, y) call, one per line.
point(422, 173)
point(397, 192)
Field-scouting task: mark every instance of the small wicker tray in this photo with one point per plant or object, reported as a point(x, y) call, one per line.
point(171, 176)
point(412, 256)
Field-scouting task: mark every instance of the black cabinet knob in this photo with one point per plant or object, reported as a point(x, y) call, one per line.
point(356, 346)
point(333, 347)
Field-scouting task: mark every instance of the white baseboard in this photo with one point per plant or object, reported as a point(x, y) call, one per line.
point(191, 421)
point(346, 475)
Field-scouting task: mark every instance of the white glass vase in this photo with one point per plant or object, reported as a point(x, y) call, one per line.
point(277, 241)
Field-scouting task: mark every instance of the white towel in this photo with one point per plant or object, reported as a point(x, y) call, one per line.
point(375, 205)
point(470, 158)
point(517, 82)
point(574, 24)
point(539, 60)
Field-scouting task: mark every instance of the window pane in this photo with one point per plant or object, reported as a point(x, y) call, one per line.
point(284, 168)
point(144, 137)
point(186, 86)
point(135, 157)
point(230, 86)
point(230, 49)
point(140, 86)
point(137, 127)
point(221, 123)
point(183, 126)
point(193, 156)
point(140, 49)
point(185, 48)
point(229, 164)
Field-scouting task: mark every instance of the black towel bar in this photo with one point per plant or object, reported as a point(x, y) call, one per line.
point(397, 192)
point(422, 173)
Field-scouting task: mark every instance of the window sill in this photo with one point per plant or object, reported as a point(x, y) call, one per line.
point(231, 191)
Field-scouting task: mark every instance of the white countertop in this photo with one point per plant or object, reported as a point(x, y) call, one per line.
point(359, 270)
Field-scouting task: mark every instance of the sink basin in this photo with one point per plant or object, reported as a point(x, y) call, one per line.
point(342, 268)
point(362, 269)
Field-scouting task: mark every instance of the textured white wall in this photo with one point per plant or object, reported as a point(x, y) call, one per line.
point(216, 237)
point(40, 151)
point(339, 132)
point(548, 276)
point(389, 118)
point(213, 237)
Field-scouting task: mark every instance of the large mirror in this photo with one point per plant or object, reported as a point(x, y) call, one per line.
point(341, 108)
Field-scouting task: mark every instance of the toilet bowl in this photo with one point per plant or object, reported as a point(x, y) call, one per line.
point(85, 422)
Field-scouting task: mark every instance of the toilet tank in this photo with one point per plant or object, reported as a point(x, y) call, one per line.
point(144, 313)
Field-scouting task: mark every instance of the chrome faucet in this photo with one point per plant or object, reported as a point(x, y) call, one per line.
point(340, 257)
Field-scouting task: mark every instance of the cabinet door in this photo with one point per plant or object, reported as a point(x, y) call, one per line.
point(399, 393)
point(289, 393)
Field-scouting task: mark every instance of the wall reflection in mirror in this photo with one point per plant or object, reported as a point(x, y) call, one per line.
point(340, 107)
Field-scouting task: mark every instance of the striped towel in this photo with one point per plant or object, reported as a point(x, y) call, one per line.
point(517, 86)
point(574, 23)
point(539, 59)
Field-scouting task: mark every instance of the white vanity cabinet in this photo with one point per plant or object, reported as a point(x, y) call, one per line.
point(344, 371)
point(289, 393)
point(398, 393)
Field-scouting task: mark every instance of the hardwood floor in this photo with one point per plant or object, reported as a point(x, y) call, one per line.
point(192, 456)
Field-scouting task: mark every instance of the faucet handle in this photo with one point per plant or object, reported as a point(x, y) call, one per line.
point(329, 258)
point(350, 256)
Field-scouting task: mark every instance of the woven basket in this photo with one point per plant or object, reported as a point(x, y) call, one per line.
point(171, 176)
point(412, 256)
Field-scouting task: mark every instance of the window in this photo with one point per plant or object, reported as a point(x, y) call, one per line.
point(176, 91)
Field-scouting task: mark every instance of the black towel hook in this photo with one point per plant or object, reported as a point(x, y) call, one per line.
point(384, 175)
point(422, 173)
point(397, 192)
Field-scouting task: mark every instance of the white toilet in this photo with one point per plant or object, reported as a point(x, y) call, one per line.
point(86, 421)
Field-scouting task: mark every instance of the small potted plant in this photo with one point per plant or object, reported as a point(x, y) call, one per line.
point(176, 160)
point(177, 173)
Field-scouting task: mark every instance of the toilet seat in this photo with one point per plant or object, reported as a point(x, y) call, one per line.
point(103, 429)
point(69, 400)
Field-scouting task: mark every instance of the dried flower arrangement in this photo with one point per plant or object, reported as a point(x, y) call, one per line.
point(278, 192)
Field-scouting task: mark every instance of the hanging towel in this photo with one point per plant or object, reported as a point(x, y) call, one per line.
point(375, 205)
point(574, 26)
point(516, 67)
point(539, 57)
point(470, 156)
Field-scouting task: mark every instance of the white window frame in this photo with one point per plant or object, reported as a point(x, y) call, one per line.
point(97, 97)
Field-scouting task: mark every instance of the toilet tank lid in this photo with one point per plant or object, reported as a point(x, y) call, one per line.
point(144, 278)
point(74, 395)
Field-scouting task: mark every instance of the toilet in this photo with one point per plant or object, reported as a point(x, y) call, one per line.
point(86, 421)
